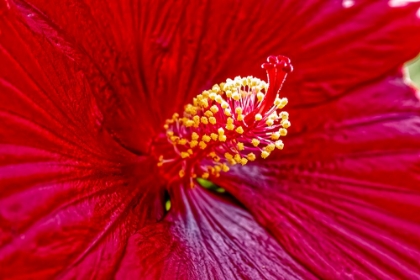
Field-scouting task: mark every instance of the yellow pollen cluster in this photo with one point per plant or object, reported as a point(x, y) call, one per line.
point(214, 132)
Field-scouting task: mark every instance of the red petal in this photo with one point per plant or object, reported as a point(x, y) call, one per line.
point(70, 195)
point(207, 237)
point(343, 198)
point(164, 53)
point(99, 53)
point(340, 48)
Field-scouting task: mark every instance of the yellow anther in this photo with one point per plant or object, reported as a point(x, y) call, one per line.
point(277, 102)
point(222, 138)
point(240, 117)
point(230, 126)
point(221, 131)
point(237, 158)
point(229, 120)
point(182, 141)
point(206, 138)
point(212, 120)
point(214, 136)
point(196, 119)
point(193, 143)
point(255, 142)
point(285, 123)
point(258, 117)
point(239, 130)
point(208, 113)
point(219, 99)
point(174, 139)
point(165, 126)
point(228, 156)
point(227, 113)
point(204, 120)
point(217, 168)
point(284, 115)
point(175, 116)
point(265, 154)
point(202, 145)
point(225, 168)
point(270, 147)
point(275, 136)
point(231, 161)
point(273, 116)
point(279, 145)
point(190, 109)
point(181, 173)
point(169, 133)
point(269, 122)
point(195, 136)
point(214, 109)
point(204, 103)
point(236, 96)
point(160, 163)
point(212, 154)
point(238, 110)
point(283, 103)
point(184, 120)
point(260, 96)
point(205, 175)
point(190, 151)
point(240, 146)
point(185, 154)
point(283, 131)
point(212, 95)
point(215, 87)
point(244, 161)
point(189, 123)
point(216, 159)
point(229, 93)
point(224, 105)
point(251, 156)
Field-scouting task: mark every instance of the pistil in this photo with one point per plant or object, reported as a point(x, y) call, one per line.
point(233, 123)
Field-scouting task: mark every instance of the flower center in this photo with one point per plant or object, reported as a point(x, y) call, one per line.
point(232, 123)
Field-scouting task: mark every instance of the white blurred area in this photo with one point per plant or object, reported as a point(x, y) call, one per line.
point(413, 67)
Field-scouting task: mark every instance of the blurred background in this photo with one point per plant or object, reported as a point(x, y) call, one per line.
point(414, 71)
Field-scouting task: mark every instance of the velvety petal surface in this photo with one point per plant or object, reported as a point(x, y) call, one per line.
point(144, 52)
point(343, 197)
point(205, 236)
point(70, 195)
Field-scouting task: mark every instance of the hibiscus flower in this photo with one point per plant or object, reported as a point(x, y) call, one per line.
point(89, 143)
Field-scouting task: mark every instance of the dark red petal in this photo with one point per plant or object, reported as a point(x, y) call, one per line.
point(156, 55)
point(207, 237)
point(343, 196)
point(69, 194)
point(342, 47)
point(100, 40)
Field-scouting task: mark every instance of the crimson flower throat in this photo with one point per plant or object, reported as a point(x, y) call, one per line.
point(232, 123)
